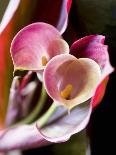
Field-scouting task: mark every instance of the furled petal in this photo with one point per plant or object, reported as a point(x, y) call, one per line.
point(62, 23)
point(60, 130)
point(99, 93)
point(13, 107)
point(93, 47)
point(21, 137)
point(82, 74)
point(35, 42)
point(9, 12)
point(19, 99)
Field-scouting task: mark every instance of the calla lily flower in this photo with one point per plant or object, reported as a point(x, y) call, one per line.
point(65, 86)
point(93, 47)
point(71, 81)
point(35, 45)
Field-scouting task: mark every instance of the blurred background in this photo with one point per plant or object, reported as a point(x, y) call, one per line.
point(85, 17)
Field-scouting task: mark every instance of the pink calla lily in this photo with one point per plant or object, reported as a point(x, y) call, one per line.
point(82, 74)
point(93, 47)
point(35, 45)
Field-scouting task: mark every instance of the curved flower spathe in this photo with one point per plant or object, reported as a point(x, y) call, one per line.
point(93, 47)
point(71, 81)
point(59, 128)
point(35, 45)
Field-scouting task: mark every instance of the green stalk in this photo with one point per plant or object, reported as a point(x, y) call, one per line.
point(37, 109)
point(43, 120)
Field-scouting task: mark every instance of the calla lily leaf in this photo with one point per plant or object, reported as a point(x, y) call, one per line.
point(82, 74)
point(34, 45)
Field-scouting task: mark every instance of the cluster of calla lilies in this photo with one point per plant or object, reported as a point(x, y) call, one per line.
point(68, 80)
point(71, 78)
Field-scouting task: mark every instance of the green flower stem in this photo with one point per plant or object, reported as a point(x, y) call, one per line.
point(37, 109)
point(43, 120)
